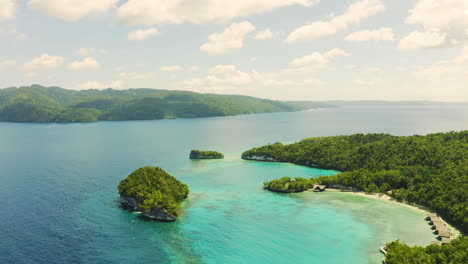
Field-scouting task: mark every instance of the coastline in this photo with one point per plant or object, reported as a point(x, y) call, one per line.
point(381, 196)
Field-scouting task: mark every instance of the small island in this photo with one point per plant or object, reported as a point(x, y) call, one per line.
point(154, 192)
point(288, 185)
point(205, 154)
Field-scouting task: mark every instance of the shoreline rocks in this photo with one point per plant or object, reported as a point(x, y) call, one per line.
point(155, 214)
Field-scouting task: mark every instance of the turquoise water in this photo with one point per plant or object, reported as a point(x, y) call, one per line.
point(60, 204)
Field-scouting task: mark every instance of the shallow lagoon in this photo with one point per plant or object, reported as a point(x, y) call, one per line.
point(58, 191)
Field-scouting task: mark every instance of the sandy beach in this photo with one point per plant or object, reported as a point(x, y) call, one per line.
point(455, 232)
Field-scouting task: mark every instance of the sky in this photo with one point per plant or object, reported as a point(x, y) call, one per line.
point(276, 49)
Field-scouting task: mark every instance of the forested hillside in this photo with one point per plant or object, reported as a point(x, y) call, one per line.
point(430, 170)
point(40, 104)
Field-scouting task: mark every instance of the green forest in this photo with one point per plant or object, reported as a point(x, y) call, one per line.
point(152, 187)
point(429, 170)
point(453, 253)
point(38, 104)
point(205, 154)
point(287, 184)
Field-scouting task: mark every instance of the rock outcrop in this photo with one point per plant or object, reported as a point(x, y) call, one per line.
point(155, 214)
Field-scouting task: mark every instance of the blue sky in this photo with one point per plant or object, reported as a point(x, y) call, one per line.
point(278, 49)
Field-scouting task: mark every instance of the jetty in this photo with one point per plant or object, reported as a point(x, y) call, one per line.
point(440, 229)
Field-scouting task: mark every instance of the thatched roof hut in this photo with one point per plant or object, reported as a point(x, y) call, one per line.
point(438, 226)
point(436, 222)
point(436, 243)
point(444, 233)
point(441, 228)
point(319, 188)
point(446, 240)
point(431, 216)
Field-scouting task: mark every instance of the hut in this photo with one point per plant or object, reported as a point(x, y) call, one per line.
point(441, 229)
point(443, 233)
point(431, 216)
point(319, 188)
point(438, 226)
point(446, 240)
point(436, 243)
point(436, 222)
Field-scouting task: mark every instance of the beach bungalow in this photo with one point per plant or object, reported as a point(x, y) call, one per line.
point(436, 222)
point(431, 216)
point(443, 233)
point(438, 226)
point(441, 229)
point(319, 188)
point(446, 240)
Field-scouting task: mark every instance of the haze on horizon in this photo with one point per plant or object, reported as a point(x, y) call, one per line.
point(276, 49)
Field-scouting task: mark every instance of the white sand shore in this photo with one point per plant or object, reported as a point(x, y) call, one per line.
point(455, 232)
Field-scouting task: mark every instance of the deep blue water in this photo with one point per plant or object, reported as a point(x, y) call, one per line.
point(60, 203)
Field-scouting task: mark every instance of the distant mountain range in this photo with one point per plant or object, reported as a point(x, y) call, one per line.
point(40, 104)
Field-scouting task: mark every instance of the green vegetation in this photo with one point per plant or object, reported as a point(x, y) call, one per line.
point(52, 104)
point(287, 184)
point(152, 187)
point(453, 253)
point(429, 170)
point(205, 154)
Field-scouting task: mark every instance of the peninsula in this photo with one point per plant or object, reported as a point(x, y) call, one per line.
point(427, 170)
point(154, 192)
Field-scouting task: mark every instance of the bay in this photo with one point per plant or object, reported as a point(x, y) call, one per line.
point(60, 202)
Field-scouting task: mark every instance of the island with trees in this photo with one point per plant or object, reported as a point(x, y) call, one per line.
point(205, 154)
point(153, 192)
point(429, 170)
point(38, 104)
point(288, 185)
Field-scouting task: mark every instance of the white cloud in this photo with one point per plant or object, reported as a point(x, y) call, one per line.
point(157, 12)
point(172, 68)
point(263, 35)
point(230, 39)
point(220, 69)
point(373, 70)
point(31, 75)
point(317, 59)
point(366, 35)
point(367, 82)
point(99, 85)
point(194, 68)
point(142, 34)
point(88, 51)
point(87, 63)
point(137, 76)
point(463, 57)
point(353, 15)
point(45, 61)
point(445, 23)
point(228, 79)
point(7, 64)
point(417, 40)
point(7, 9)
point(71, 10)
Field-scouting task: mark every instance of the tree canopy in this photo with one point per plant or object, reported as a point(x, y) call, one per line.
point(429, 170)
point(453, 253)
point(40, 104)
point(152, 187)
